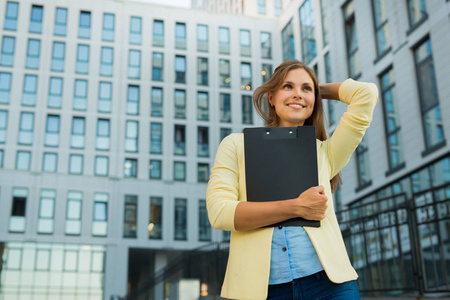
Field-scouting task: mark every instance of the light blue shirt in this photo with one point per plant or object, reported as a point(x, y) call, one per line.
point(293, 255)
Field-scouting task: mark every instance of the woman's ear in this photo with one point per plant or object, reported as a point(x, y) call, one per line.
point(269, 96)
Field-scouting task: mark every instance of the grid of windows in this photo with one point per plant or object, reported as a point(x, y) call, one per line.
point(307, 31)
point(429, 98)
point(381, 26)
point(108, 27)
point(12, 11)
point(58, 56)
point(7, 55)
point(5, 87)
point(354, 67)
point(29, 90)
point(60, 22)
point(36, 19)
point(73, 213)
point(135, 30)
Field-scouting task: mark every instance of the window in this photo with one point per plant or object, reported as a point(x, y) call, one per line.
point(130, 168)
point(204, 228)
point(203, 142)
point(76, 164)
point(130, 217)
point(354, 67)
point(50, 162)
point(157, 102)
point(29, 90)
point(278, 7)
point(224, 73)
point(135, 30)
point(381, 26)
point(133, 100)
point(324, 15)
point(12, 11)
point(8, 45)
point(78, 131)
point(5, 87)
point(417, 12)
point(362, 163)
point(224, 40)
point(180, 137)
point(131, 136)
point(202, 38)
point(82, 66)
point(108, 27)
point(155, 218)
point(266, 45)
point(429, 98)
point(84, 31)
point(46, 212)
point(180, 69)
point(100, 217)
point(26, 129)
point(246, 76)
point(262, 7)
point(391, 119)
point(202, 106)
point(134, 64)
point(247, 112)
point(33, 53)
point(103, 132)
point(180, 233)
point(307, 31)
point(245, 42)
point(225, 108)
point(106, 63)
point(80, 97)
point(23, 160)
point(58, 56)
point(179, 171)
point(156, 138)
point(60, 22)
point(101, 166)
point(155, 169)
point(3, 125)
point(202, 71)
point(288, 42)
point(266, 72)
point(1, 159)
point(329, 78)
point(18, 210)
point(73, 213)
point(202, 172)
point(158, 33)
point(52, 131)
point(104, 97)
point(36, 19)
point(180, 36)
point(158, 66)
point(180, 104)
point(224, 132)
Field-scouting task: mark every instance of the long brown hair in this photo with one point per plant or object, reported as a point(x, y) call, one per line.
point(269, 115)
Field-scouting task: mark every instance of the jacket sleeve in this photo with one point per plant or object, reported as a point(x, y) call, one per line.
point(223, 186)
point(361, 98)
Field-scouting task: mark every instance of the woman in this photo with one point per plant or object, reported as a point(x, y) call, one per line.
point(290, 262)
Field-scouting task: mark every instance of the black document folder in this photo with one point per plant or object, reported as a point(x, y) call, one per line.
point(280, 164)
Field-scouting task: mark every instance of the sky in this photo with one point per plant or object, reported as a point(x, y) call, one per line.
point(178, 3)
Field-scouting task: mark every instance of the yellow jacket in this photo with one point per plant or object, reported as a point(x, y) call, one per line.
point(248, 268)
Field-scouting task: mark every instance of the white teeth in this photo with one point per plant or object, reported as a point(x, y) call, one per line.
point(295, 105)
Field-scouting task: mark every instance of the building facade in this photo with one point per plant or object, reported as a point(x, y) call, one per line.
point(111, 113)
point(90, 213)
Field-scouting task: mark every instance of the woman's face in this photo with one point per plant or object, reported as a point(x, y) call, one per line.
point(294, 99)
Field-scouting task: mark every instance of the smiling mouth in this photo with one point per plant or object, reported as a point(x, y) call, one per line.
point(296, 105)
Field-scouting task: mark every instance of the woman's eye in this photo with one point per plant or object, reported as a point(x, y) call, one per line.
point(307, 88)
point(287, 86)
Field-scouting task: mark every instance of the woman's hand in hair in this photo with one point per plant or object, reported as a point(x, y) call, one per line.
point(311, 204)
point(330, 90)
